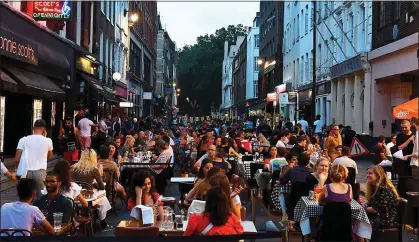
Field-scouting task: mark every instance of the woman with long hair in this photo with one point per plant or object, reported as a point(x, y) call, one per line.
point(128, 147)
point(273, 153)
point(382, 198)
point(68, 187)
point(217, 218)
point(338, 190)
point(142, 192)
point(221, 181)
point(114, 153)
point(206, 165)
point(320, 176)
point(86, 170)
point(199, 191)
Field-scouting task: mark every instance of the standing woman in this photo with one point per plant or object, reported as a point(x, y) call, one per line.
point(382, 198)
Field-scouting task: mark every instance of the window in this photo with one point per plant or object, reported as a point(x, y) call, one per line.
point(340, 39)
point(101, 44)
point(107, 9)
point(256, 64)
point(302, 80)
point(326, 59)
point(382, 17)
point(306, 20)
point(361, 41)
point(255, 88)
point(319, 59)
point(284, 44)
point(102, 6)
point(297, 72)
point(294, 32)
point(312, 17)
point(396, 9)
point(257, 41)
point(298, 27)
point(306, 71)
point(310, 69)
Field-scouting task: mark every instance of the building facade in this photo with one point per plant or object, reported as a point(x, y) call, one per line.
point(343, 75)
point(252, 66)
point(394, 63)
point(270, 49)
point(239, 81)
point(298, 58)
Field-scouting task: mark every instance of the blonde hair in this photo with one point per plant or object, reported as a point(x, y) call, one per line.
point(319, 160)
point(382, 180)
point(338, 173)
point(129, 140)
point(87, 162)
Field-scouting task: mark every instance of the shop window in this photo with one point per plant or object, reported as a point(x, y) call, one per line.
point(37, 110)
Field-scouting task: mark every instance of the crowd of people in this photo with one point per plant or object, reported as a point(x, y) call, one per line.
point(299, 153)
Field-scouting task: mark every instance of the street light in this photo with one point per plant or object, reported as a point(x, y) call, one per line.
point(134, 17)
point(178, 90)
point(187, 99)
point(260, 61)
point(174, 84)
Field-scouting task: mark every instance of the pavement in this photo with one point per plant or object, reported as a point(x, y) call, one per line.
point(262, 214)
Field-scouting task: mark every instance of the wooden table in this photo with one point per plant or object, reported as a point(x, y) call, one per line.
point(138, 223)
point(65, 227)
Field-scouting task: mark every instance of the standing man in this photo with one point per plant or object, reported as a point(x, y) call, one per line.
point(85, 126)
point(318, 126)
point(38, 151)
point(304, 124)
point(334, 139)
point(414, 156)
point(404, 143)
point(70, 137)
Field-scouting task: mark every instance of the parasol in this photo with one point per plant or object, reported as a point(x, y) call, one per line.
point(406, 110)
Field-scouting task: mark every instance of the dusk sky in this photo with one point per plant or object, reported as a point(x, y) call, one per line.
point(185, 21)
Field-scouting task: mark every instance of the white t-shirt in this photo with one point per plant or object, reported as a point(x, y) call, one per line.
point(85, 127)
point(73, 192)
point(101, 124)
point(3, 168)
point(319, 125)
point(304, 125)
point(280, 144)
point(172, 154)
point(36, 148)
point(346, 162)
point(20, 215)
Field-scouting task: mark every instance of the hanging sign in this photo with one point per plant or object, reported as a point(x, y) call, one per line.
point(271, 97)
point(52, 10)
point(283, 98)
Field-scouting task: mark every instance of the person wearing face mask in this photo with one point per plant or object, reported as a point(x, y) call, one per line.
point(70, 138)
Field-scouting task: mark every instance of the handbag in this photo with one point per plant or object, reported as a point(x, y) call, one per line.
point(71, 146)
point(22, 169)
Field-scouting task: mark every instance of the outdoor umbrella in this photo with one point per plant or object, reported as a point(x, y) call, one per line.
point(406, 110)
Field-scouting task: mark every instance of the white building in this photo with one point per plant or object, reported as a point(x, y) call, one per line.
point(252, 56)
point(297, 50)
point(227, 75)
point(343, 37)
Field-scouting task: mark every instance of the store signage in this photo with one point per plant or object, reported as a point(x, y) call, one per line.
point(283, 98)
point(14, 46)
point(346, 67)
point(280, 88)
point(271, 97)
point(323, 89)
point(147, 95)
point(52, 10)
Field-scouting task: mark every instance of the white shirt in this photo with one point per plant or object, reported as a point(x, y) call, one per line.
point(413, 160)
point(346, 162)
point(85, 127)
point(319, 125)
point(36, 148)
point(201, 159)
point(172, 154)
point(172, 143)
point(280, 144)
point(3, 169)
point(388, 146)
point(20, 215)
point(101, 124)
point(304, 125)
point(73, 192)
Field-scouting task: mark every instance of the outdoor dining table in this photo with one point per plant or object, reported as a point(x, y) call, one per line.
point(248, 227)
point(65, 227)
point(278, 196)
point(307, 209)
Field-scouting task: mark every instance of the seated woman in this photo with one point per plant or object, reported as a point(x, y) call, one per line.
point(200, 190)
point(206, 165)
point(320, 176)
point(273, 153)
point(142, 192)
point(217, 218)
point(338, 190)
point(114, 153)
point(221, 181)
point(382, 198)
point(219, 161)
point(128, 148)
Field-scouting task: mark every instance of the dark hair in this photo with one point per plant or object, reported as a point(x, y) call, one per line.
point(224, 141)
point(301, 138)
point(25, 188)
point(115, 156)
point(269, 151)
point(218, 206)
point(221, 181)
point(201, 174)
point(138, 180)
point(281, 151)
point(104, 152)
point(166, 139)
point(381, 139)
point(303, 159)
point(161, 144)
point(293, 140)
point(393, 135)
point(313, 140)
point(63, 170)
point(345, 151)
point(281, 134)
point(52, 173)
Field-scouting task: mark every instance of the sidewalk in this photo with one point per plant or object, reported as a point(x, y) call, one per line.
point(11, 166)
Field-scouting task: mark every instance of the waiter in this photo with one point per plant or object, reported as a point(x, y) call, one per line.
point(404, 143)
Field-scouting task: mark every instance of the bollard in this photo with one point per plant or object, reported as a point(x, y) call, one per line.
point(284, 230)
point(252, 197)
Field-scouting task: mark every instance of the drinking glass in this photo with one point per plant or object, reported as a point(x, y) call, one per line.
point(58, 220)
point(179, 222)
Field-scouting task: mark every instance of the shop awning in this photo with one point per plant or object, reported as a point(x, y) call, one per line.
point(35, 84)
point(257, 106)
point(7, 83)
point(109, 95)
point(53, 58)
point(406, 110)
point(105, 92)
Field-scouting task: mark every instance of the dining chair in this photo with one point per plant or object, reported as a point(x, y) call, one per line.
point(15, 232)
point(137, 231)
point(336, 222)
point(109, 178)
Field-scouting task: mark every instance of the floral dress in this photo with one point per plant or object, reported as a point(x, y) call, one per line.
point(384, 202)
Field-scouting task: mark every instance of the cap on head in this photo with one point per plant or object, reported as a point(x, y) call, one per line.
point(40, 123)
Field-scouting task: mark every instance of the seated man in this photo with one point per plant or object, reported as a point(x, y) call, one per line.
point(54, 202)
point(380, 157)
point(21, 214)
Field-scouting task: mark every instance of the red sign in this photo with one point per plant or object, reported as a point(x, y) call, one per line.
point(51, 10)
point(272, 97)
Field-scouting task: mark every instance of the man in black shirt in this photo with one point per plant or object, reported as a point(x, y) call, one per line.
point(299, 148)
point(403, 166)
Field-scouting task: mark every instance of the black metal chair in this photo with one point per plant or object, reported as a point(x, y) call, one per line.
point(336, 222)
point(298, 190)
point(110, 178)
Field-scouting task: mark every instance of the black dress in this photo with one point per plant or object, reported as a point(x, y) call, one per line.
point(384, 202)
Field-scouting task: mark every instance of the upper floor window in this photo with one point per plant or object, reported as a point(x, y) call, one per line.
point(396, 10)
point(257, 41)
point(382, 16)
point(306, 20)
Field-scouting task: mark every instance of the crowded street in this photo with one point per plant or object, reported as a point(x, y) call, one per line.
point(210, 120)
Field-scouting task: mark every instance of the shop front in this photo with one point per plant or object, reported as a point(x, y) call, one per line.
point(323, 102)
point(304, 102)
point(35, 73)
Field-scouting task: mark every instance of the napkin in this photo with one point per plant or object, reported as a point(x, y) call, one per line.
point(398, 154)
point(144, 212)
point(197, 206)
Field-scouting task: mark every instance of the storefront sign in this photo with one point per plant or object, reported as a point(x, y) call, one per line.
point(346, 67)
point(17, 47)
point(323, 89)
point(280, 88)
point(283, 98)
point(86, 66)
point(271, 97)
point(292, 98)
point(305, 97)
point(147, 95)
point(52, 10)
